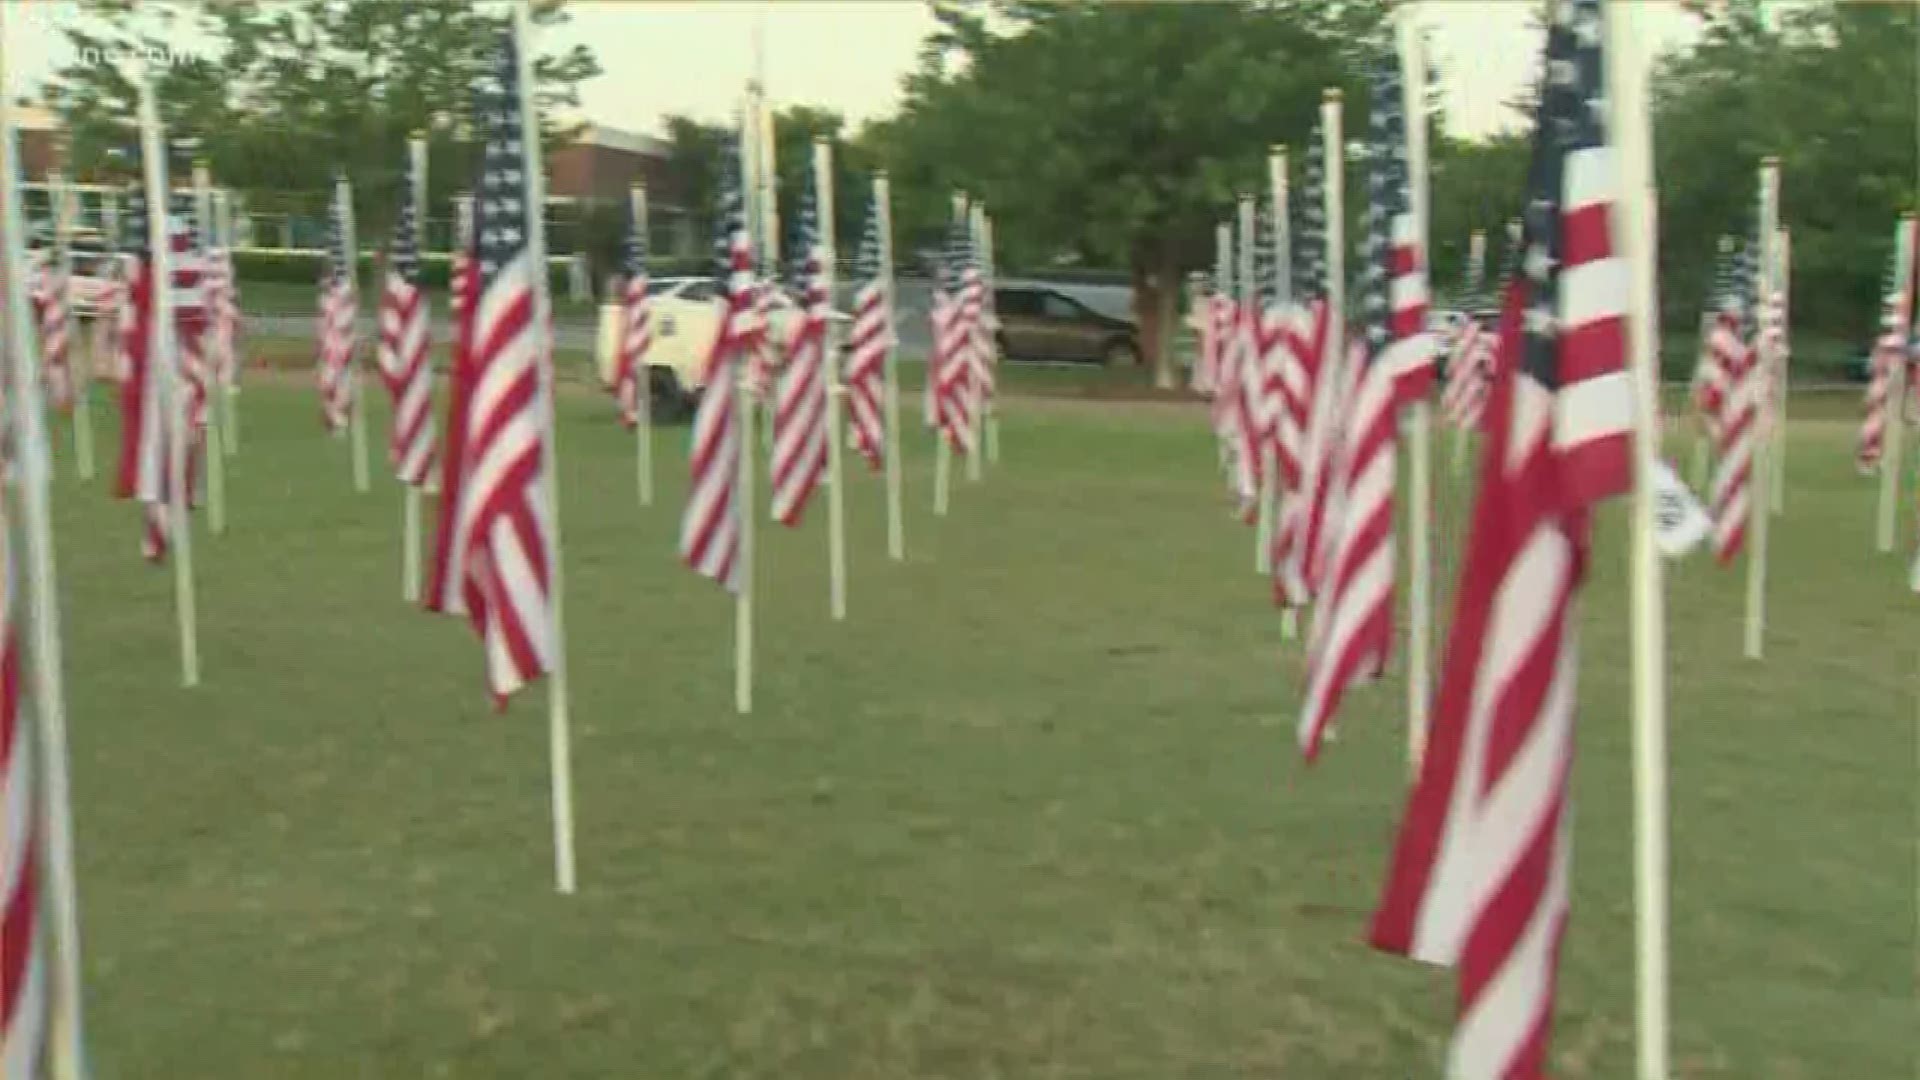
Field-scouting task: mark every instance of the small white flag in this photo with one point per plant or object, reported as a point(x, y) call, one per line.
point(1679, 521)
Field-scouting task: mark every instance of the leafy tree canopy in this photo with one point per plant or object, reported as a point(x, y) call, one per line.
point(285, 92)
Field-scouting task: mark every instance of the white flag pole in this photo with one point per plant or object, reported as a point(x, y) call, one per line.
point(1252, 373)
point(1703, 440)
point(210, 389)
point(559, 735)
point(942, 450)
point(643, 388)
point(1782, 384)
point(1222, 288)
point(1279, 201)
point(1637, 228)
point(988, 269)
point(43, 612)
point(836, 487)
point(81, 352)
point(229, 398)
point(1269, 461)
point(356, 409)
point(410, 493)
point(1759, 513)
point(172, 411)
point(744, 402)
point(1413, 82)
point(1905, 258)
point(1334, 152)
point(977, 402)
point(896, 522)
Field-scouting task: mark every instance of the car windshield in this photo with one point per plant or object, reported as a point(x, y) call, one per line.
point(695, 289)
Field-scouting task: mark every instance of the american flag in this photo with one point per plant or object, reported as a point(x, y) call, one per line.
point(338, 306)
point(1776, 345)
point(50, 290)
point(1238, 401)
point(1353, 626)
point(496, 543)
point(223, 301)
point(24, 1014)
point(405, 337)
point(1310, 422)
point(193, 318)
point(800, 397)
point(710, 526)
point(636, 323)
point(1735, 346)
point(869, 341)
point(1709, 384)
point(976, 302)
point(1481, 866)
point(950, 377)
point(1271, 340)
point(146, 415)
point(460, 261)
point(1470, 363)
point(1896, 311)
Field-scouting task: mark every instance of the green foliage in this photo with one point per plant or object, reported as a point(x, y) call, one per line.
point(303, 268)
point(695, 155)
point(1832, 92)
point(1113, 134)
point(292, 90)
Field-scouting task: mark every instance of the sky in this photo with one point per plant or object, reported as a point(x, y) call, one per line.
point(692, 57)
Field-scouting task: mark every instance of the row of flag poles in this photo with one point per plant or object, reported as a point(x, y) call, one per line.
point(817, 400)
point(1307, 438)
point(1311, 423)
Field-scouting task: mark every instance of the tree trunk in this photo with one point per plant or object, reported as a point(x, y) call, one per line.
point(1156, 292)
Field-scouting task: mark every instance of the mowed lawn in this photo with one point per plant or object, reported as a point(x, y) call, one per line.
point(1031, 811)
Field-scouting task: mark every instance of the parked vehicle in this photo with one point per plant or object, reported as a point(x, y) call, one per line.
point(1038, 323)
point(686, 317)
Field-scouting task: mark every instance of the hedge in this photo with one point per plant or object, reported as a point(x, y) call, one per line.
point(303, 268)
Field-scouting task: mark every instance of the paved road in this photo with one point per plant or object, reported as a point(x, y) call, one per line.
point(572, 331)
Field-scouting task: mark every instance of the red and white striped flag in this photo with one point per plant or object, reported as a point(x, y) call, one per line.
point(50, 290)
point(336, 329)
point(1236, 407)
point(950, 378)
point(24, 1012)
point(223, 304)
point(1469, 369)
point(405, 338)
point(800, 395)
point(1709, 382)
point(710, 526)
point(147, 417)
point(1896, 313)
point(1480, 872)
point(1735, 347)
point(1353, 626)
point(868, 342)
point(636, 324)
point(1308, 423)
point(495, 555)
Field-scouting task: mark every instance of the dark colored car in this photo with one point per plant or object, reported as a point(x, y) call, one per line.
point(1046, 324)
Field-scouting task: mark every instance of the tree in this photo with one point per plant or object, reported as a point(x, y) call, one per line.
point(1831, 91)
point(292, 90)
point(1115, 133)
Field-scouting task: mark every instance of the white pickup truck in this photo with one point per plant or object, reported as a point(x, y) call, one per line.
point(686, 317)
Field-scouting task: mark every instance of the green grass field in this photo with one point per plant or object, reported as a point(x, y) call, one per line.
point(1032, 811)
